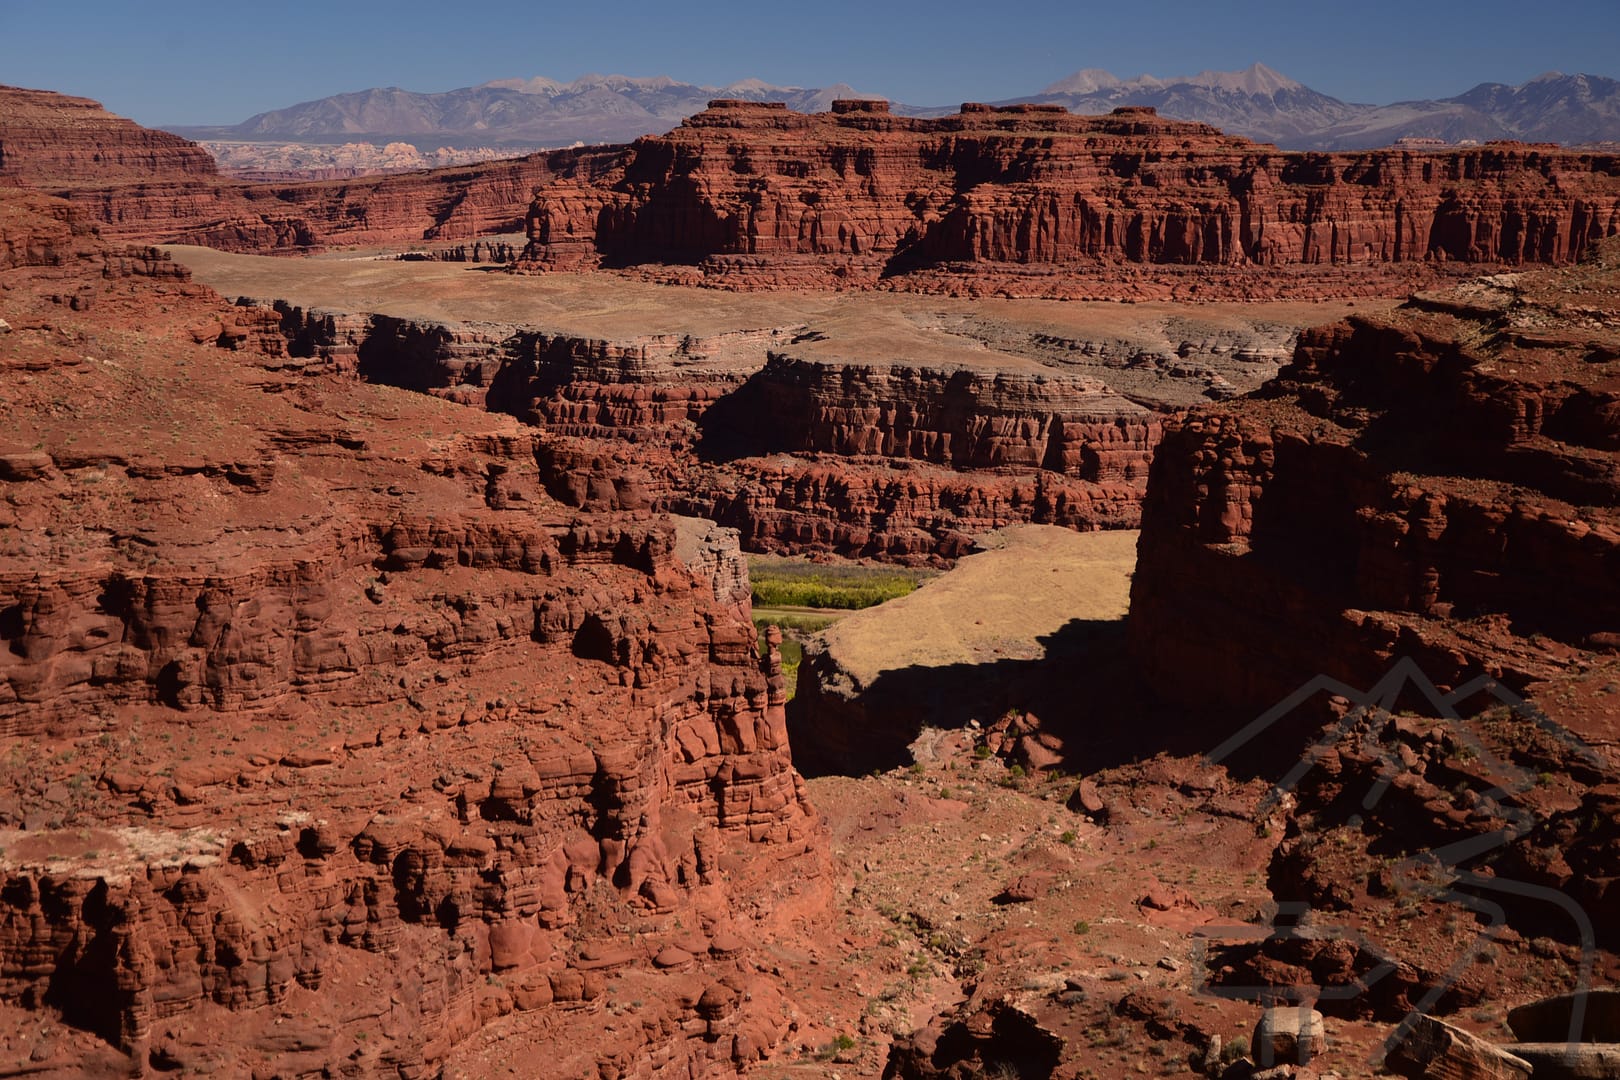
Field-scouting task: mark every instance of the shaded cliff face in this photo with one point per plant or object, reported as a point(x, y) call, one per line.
point(870, 425)
point(1440, 483)
point(1032, 200)
point(323, 713)
point(962, 418)
point(1428, 497)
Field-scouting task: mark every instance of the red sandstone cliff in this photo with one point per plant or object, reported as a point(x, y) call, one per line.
point(1031, 200)
point(444, 204)
point(803, 454)
point(1429, 496)
point(1023, 200)
point(50, 139)
point(140, 184)
point(1440, 484)
point(333, 736)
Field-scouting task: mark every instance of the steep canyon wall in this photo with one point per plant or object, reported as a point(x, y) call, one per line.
point(1032, 200)
point(334, 736)
point(1439, 484)
point(799, 454)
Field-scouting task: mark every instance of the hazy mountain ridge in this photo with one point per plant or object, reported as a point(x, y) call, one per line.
point(1258, 102)
point(1266, 105)
point(516, 112)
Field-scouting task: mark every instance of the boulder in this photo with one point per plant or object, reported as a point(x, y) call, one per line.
point(1550, 1020)
point(1432, 1049)
point(1287, 1035)
point(1569, 1061)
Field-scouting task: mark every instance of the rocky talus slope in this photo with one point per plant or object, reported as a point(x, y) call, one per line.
point(1400, 556)
point(1032, 200)
point(1112, 886)
point(333, 737)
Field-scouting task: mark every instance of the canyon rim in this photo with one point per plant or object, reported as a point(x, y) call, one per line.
point(383, 690)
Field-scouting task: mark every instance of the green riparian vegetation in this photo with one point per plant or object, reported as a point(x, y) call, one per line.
point(803, 597)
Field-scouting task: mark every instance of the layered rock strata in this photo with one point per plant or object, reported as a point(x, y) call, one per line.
point(1032, 200)
point(1439, 484)
point(57, 140)
point(856, 425)
point(140, 184)
point(334, 737)
point(802, 454)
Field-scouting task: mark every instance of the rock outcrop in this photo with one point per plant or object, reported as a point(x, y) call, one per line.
point(1433, 1048)
point(334, 736)
point(999, 636)
point(1033, 200)
point(1441, 485)
point(1017, 200)
point(50, 139)
point(1390, 573)
point(139, 184)
point(802, 454)
point(799, 455)
point(859, 425)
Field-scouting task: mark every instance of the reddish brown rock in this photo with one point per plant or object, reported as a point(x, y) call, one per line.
point(139, 184)
point(1432, 1049)
point(1026, 888)
point(52, 139)
point(1435, 485)
point(798, 454)
point(1036, 201)
point(333, 737)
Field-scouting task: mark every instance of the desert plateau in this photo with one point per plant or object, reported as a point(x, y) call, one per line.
point(754, 580)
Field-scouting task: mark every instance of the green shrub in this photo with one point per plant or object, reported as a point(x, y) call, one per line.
point(848, 586)
point(836, 1047)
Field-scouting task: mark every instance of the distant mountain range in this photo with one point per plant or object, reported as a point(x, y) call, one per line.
point(1266, 105)
point(1258, 102)
point(509, 112)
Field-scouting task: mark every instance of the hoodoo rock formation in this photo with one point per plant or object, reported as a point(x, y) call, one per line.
point(138, 184)
point(1032, 200)
point(333, 735)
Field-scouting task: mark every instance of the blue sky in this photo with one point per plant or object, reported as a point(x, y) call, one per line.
point(185, 62)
